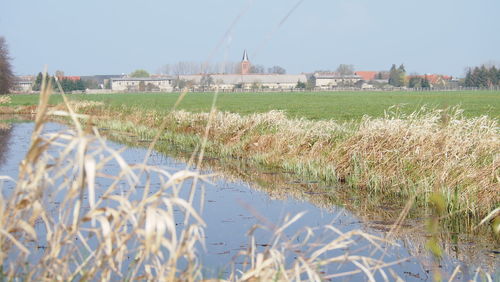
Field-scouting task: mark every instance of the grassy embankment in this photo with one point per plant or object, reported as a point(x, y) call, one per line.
point(401, 154)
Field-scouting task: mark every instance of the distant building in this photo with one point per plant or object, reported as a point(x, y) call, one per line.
point(244, 81)
point(136, 84)
point(99, 81)
point(438, 80)
point(325, 80)
point(72, 78)
point(23, 84)
point(367, 75)
point(435, 80)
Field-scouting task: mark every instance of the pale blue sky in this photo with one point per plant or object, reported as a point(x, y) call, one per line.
point(113, 37)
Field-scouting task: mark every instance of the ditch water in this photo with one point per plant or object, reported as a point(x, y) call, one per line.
point(243, 195)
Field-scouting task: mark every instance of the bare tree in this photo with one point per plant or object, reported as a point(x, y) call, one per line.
point(344, 69)
point(276, 70)
point(183, 68)
point(6, 75)
point(165, 69)
point(257, 69)
point(186, 68)
point(206, 81)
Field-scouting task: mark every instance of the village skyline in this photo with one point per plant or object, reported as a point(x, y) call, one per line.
point(245, 76)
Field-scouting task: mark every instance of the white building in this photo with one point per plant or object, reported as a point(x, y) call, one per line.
point(23, 84)
point(326, 80)
point(243, 81)
point(142, 84)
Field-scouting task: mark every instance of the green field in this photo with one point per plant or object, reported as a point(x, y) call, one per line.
point(340, 106)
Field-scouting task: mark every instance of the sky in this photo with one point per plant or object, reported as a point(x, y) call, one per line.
point(118, 36)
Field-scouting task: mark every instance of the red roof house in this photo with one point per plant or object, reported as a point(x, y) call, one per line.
point(366, 75)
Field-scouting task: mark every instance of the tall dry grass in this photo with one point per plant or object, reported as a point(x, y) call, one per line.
point(5, 100)
point(61, 223)
point(398, 155)
point(426, 152)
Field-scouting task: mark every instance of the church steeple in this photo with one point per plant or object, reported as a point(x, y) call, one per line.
point(245, 57)
point(245, 63)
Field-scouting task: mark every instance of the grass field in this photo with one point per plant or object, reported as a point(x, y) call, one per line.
point(341, 106)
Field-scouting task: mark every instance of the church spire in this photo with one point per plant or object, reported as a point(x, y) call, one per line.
point(245, 64)
point(245, 57)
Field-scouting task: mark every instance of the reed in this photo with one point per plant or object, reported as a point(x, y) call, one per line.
point(5, 100)
point(402, 155)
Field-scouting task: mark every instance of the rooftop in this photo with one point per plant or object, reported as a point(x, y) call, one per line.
point(142, 78)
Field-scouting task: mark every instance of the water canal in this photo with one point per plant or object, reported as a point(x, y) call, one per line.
point(241, 195)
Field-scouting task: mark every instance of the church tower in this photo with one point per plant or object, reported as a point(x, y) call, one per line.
point(245, 64)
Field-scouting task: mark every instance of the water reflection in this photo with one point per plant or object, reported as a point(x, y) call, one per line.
point(5, 136)
point(373, 213)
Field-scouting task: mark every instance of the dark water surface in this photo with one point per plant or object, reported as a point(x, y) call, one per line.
point(232, 207)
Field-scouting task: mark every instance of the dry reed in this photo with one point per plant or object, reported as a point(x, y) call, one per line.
point(401, 155)
point(5, 100)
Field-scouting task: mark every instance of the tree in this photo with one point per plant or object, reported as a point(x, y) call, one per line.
point(80, 85)
point(397, 76)
point(311, 82)
point(107, 84)
point(165, 69)
point(179, 83)
point(425, 82)
point(139, 73)
point(493, 76)
point(498, 77)
point(89, 83)
point(38, 82)
point(344, 69)
point(6, 75)
point(37, 86)
point(257, 69)
point(256, 85)
point(67, 85)
point(402, 75)
point(206, 81)
point(415, 82)
point(468, 78)
point(301, 85)
point(482, 77)
point(276, 70)
point(393, 76)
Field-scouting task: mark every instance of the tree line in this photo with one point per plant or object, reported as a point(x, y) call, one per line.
point(67, 85)
point(482, 77)
point(187, 68)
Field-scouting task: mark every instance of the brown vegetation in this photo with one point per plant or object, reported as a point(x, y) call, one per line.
point(402, 155)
